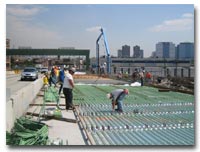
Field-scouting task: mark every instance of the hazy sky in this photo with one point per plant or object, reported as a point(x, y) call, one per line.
point(55, 26)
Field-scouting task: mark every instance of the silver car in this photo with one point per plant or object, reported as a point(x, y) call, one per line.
point(29, 73)
point(44, 70)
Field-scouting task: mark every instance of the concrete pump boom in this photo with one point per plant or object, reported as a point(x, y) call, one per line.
point(108, 59)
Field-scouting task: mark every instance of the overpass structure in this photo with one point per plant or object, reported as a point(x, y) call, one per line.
point(58, 52)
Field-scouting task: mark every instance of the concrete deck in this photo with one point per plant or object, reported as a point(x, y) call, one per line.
point(72, 133)
point(69, 132)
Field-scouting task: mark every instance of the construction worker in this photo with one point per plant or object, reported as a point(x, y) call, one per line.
point(57, 72)
point(148, 77)
point(61, 78)
point(68, 86)
point(141, 75)
point(117, 97)
point(135, 75)
point(46, 80)
point(52, 78)
point(119, 76)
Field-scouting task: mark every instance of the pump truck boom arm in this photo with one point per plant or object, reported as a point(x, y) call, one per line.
point(108, 60)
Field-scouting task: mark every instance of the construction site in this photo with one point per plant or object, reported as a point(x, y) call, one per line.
point(160, 112)
point(152, 115)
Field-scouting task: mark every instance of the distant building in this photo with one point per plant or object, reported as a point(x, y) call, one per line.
point(8, 58)
point(125, 51)
point(25, 47)
point(67, 48)
point(165, 50)
point(182, 68)
point(185, 50)
point(137, 52)
point(7, 43)
point(119, 53)
point(153, 54)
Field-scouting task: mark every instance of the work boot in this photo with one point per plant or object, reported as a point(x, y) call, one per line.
point(117, 109)
point(120, 111)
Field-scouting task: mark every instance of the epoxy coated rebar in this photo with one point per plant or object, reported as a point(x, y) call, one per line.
point(150, 117)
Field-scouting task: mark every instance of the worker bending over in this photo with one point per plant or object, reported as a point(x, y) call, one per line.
point(117, 97)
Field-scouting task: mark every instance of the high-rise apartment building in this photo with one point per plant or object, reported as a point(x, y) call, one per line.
point(125, 51)
point(185, 50)
point(165, 50)
point(119, 53)
point(137, 52)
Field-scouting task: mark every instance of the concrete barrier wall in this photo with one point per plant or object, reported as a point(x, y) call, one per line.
point(10, 72)
point(19, 103)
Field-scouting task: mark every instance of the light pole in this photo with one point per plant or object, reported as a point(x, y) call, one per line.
point(164, 67)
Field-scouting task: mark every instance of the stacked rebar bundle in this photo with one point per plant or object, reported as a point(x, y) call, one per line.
point(27, 132)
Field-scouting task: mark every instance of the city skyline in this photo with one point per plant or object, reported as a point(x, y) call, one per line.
point(55, 26)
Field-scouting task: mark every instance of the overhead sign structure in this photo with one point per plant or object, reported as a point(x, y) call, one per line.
point(69, 52)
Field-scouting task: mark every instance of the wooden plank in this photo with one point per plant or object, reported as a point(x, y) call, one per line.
point(40, 95)
point(50, 104)
point(172, 89)
point(163, 90)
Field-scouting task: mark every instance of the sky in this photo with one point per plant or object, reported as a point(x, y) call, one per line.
point(78, 25)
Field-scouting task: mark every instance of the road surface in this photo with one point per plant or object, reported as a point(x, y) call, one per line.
point(13, 84)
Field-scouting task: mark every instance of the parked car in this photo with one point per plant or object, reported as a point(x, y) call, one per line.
point(29, 73)
point(44, 70)
point(38, 69)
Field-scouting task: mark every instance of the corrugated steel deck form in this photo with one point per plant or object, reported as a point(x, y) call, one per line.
point(150, 117)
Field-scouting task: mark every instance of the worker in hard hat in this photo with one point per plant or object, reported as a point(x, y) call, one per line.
point(53, 78)
point(117, 97)
point(46, 80)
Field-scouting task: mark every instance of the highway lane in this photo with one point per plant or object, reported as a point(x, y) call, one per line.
point(13, 84)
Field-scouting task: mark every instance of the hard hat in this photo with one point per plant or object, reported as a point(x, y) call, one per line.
point(72, 69)
point(108, 95)
point(126, 91)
